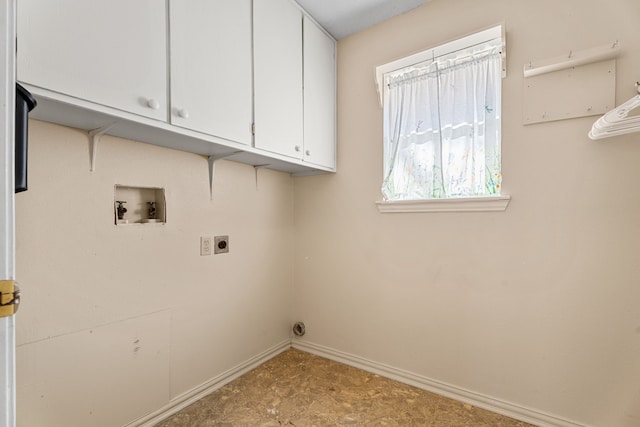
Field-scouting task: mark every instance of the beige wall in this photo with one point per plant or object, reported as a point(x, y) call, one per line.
point(536, 306)
point(116, 321)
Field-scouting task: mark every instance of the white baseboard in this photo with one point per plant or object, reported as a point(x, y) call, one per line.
point(517, 412)
point(511, 410)
point(185, 399)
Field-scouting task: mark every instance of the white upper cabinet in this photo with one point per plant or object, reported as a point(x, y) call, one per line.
point(319, 96)
point(277, 38)
point(211, 79)
point(109, 52)
point(248, 80)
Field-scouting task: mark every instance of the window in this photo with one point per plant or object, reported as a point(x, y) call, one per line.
point(441, 123)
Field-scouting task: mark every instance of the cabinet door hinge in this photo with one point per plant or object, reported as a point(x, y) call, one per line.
point(9, 298)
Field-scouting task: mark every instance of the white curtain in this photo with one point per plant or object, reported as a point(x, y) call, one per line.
point(442, 128)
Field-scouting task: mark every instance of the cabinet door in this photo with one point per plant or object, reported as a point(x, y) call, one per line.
point(211, 70)
point(277, 42)
point(110, 52)
point(319, 96)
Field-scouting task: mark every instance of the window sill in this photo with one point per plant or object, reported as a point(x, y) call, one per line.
point(463, 204)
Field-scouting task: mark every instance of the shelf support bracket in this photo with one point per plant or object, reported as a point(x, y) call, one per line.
point(212, 167)
point(255, 169)
point(94, 137)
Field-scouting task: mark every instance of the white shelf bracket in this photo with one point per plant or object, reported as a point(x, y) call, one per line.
point(212, 167)
point(255, 170)
point(94, 137)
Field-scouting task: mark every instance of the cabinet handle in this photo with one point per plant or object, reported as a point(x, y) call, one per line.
point(153, 104)
point(297, 148)
point(183, 113)
point(308, 152)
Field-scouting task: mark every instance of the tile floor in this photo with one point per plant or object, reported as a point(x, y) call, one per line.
point(299, 389)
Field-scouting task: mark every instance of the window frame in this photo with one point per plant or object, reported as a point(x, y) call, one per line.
point(452, 204)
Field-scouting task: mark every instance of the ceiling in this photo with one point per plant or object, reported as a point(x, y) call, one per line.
point(344, 17)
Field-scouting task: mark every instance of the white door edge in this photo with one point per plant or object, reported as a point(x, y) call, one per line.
point(7, 224)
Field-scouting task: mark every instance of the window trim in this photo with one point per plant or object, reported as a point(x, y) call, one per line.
point(496, 203)
point(454, 204)
point(482, 36)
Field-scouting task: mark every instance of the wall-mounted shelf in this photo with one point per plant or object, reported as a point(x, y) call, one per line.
point(62, 109)
point(579, 84)
point(139, 205)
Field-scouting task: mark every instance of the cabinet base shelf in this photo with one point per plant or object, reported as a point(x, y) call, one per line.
point(76, 113)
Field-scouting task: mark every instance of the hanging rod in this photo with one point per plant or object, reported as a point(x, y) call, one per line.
point(573, 59)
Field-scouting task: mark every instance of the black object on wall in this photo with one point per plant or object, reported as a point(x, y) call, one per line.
point(25, 102)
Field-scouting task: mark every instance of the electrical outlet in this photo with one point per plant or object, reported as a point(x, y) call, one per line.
point(205, 245)
point(221, 244)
